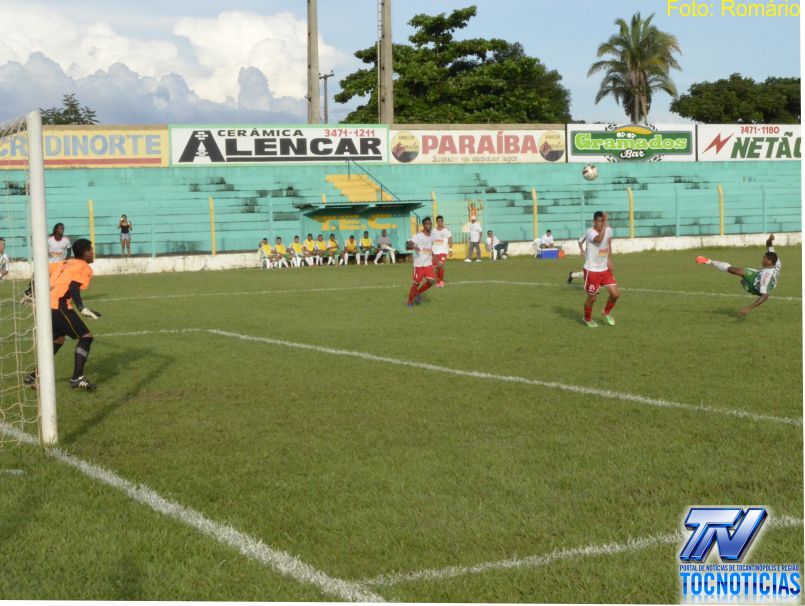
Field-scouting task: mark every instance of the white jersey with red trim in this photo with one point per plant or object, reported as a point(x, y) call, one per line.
point(423, 251)
point(597, 255)
point(441, 241)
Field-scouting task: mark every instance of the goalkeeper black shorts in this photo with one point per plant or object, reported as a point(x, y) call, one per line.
point(67, 323)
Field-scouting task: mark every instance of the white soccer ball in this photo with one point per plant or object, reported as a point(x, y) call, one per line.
point(589, 172)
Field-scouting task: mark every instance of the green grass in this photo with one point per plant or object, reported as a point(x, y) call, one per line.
point(363, 468)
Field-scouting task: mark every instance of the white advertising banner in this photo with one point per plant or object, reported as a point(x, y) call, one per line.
point(195, 145)
point(477, 146)
point(730, 142)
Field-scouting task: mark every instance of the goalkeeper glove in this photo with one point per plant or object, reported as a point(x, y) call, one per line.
point(86, 311)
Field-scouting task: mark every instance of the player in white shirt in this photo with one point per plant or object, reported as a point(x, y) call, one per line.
point(58, 250)
point(442, 248)
point(578, 274)
point(759, 282)
point(424, 276)
point(598, 269)
point(58, 244)
point(475, 239)
point(3, 259)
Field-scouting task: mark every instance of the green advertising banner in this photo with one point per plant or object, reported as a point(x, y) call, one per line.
point(632, 142)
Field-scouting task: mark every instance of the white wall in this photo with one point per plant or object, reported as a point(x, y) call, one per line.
point(150, 265)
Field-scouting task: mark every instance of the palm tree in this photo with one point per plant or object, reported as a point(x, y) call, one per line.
point(640, 57)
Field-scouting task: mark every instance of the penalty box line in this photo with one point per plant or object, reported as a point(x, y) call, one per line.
point(280, 561)
point(578, 389)
point(402, 287)
point(558, 555)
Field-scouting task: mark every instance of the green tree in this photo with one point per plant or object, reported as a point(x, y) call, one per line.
point(443, 80)
point(740, 100)
point(639, 60)
point(71, 112)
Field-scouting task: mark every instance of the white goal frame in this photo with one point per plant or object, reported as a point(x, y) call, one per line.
point(37, 212)
point(48, 426)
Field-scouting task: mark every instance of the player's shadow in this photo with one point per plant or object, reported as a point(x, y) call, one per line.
point(111, 366)
point(569, 313)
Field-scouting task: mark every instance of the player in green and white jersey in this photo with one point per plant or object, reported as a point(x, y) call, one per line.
point(759, 282)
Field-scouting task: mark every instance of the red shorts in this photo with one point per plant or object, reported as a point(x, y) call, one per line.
point(440, 259)
point(420, 273)
point(594, 280)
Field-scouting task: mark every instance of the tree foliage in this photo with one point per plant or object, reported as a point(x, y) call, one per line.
point(71, 112)
point(440, 79)
point(740, 100)
point(640, 58)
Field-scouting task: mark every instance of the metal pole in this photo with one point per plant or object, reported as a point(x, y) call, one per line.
point(325, 77)
point(631, 212)
point(536, 212)
point(313, 103)
point(721, 210)
point(48, 428)
point(386, 98)
point(91, 212)
point(212, 225)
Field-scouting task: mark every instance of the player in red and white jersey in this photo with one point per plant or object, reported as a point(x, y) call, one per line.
point(424, 276)
point(598, 269)
point(442, 248)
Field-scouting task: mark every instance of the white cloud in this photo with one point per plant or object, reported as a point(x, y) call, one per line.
point(274, 44)
point(80, 49)
point(236, 66)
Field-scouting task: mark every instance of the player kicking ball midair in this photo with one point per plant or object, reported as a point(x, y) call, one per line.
point(424, 275)
point(598, 269)
point(759, 282)
point(442, 248)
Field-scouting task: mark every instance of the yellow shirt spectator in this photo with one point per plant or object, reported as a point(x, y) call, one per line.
point(280, 249)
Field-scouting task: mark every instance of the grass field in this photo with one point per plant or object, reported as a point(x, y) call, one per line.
point(309, 410)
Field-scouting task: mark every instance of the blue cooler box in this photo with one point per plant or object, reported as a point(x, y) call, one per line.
point(548, 253)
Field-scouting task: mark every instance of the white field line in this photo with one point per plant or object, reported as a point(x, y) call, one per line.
point(579, 389)
point(279, 561)
point(558, 555)
point(402, 288)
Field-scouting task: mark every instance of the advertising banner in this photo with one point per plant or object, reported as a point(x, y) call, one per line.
point(477, 146)
point(91, 147)
point(630, 143)
point(718, 142)
point(198, 145)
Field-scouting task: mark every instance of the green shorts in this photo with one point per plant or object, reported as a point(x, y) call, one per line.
point(748, 281)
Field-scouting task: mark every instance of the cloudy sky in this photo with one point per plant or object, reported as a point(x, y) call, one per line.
point(185, 61)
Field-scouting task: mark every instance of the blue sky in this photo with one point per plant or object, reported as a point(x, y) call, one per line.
point(239, 60)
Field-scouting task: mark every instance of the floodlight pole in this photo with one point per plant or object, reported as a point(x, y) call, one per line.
point(313, 103)
point(386, 93)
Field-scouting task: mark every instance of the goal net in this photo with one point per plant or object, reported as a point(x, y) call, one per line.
point(27, 387)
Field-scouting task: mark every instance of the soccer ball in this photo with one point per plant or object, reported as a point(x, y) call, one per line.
point(589, 172)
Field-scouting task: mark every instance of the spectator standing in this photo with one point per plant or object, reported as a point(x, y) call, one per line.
point(125, 227)
point(475, 240)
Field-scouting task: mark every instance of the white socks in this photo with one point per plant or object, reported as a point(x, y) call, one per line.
point(720, 265)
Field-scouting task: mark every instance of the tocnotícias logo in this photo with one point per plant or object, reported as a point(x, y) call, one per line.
point(712, 525)
point(732, 530)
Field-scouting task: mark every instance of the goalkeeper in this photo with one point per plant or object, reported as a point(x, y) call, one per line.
point(67, 280)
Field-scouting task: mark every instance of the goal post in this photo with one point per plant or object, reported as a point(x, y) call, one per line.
point(28, 334)
point(48, 428)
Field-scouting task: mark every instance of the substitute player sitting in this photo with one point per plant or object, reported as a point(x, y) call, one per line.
point(321, 250)
point(759, 282)
point(598, 269)
point(365, 246)
point(67, 280)
point(332, 250)
point(424, 276)
point(442, 248)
